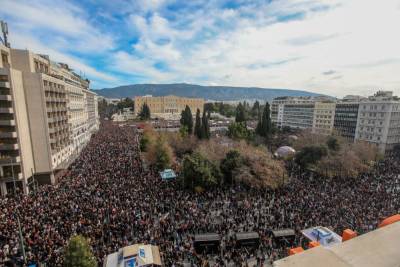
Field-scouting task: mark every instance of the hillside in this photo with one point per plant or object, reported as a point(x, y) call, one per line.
point(219, 93)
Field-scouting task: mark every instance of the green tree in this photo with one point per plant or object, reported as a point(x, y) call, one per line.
point(125, 103)
point(310, 155)
point(197, 126)
point(78, 253)
point(238, 130)
point(333, 144)
point(106, 110)
point(205, 126)
point(199, 171)
point(264, 125)
point(210, 107)
point(187, 119)
point(144, 142)
point(183, 131)
point(232, 161)
point(255, 110)
point(145, 112)
point(240, 115)
point(162, 154)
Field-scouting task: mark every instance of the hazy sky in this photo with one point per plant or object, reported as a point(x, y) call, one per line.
point(335, 47)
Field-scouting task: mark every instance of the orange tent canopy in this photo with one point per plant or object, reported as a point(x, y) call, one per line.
point(313, 244)
point(297, 250)
point(390, 220)
point(348, 234)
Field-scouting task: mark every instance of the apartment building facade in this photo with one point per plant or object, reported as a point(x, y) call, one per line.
point(324, 115)
point(16, 155)
point(59, 115)
point(298, 116)
point(278, 107)
point(167, 104)
point(379, 121)
point(346, 117)
point(375, 119)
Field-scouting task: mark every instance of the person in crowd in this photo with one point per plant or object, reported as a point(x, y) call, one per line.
point(108, 197)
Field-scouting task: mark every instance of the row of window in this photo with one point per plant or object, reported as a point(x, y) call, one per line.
point(324, 111)
point(40, 67)
point(381, 107)
point(370, 129)
point(323, 121)
point(372, 114)
point(373, 122)
point(370, 137)
point(323, 116)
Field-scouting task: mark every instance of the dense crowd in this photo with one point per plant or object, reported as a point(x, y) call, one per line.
point(108, 197)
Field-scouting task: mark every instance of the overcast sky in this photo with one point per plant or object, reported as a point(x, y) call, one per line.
point(335, 47)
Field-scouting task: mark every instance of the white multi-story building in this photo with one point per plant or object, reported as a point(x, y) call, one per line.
point(375, 119)
point(278, 107)
point(295, 112)
point(379, 120)
point(53, 116)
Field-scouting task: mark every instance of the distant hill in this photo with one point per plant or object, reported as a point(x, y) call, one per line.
point(218, 93)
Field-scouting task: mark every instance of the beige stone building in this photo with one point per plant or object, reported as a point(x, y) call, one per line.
point(324, 117)
point(16, 154)
point(168, 104)
point(55, 114)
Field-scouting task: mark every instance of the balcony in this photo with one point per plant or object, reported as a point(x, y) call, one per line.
point(52, 89)
point(8, 135)
point(53, 109)
point(61, 100)
point(49, 99)
point(5, 97)
point(52, 130)
point(5, 85)
point(10, 160)
point(54, 119)
point(7, 122)
point(9, 146)
point(7, 110)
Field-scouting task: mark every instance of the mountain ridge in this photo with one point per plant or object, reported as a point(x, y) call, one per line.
point(216, 93)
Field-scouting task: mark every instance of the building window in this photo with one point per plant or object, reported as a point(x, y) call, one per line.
point(4, 58)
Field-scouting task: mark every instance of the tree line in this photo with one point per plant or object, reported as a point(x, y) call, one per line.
point(201, 126)
point(264, 128)
point(229, 110)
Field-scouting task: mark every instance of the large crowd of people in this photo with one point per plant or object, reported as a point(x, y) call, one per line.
point(110, 198)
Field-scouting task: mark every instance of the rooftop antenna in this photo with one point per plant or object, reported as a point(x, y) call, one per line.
point(4, 30)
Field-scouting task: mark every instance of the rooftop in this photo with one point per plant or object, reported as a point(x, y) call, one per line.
point(377, 248)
